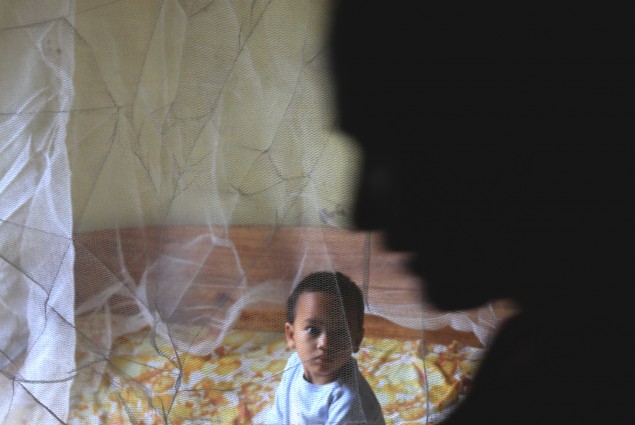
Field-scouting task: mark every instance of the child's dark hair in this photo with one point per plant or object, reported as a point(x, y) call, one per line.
point(331, 283)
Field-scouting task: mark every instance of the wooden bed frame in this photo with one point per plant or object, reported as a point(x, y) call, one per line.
point(264, 252)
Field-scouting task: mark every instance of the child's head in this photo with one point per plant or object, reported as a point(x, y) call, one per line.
point(325, 323)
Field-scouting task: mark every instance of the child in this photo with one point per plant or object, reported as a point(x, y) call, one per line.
point(321, 382)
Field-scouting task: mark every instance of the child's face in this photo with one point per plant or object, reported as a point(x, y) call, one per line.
point(322, 336)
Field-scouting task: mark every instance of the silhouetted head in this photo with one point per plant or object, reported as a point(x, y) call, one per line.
point(497, 144)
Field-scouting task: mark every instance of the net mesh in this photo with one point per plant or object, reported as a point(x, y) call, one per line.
point(166, 167)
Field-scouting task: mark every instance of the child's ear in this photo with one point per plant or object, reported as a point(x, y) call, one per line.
point(357, 340)
point(289, 334)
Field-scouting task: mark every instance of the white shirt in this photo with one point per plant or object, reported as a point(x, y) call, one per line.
point(347, 400)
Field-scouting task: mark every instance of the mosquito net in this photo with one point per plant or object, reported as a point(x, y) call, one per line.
point(166, 168)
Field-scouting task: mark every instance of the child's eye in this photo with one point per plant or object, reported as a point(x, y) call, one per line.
point(314, 331)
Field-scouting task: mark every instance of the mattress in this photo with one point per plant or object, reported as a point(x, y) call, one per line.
point(145, 378)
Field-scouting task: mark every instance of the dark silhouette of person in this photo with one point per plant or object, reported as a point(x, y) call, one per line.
point(497, 147)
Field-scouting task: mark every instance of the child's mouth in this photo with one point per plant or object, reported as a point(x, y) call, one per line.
point(323, 359)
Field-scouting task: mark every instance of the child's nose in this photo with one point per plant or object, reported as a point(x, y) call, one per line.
point(322, 340)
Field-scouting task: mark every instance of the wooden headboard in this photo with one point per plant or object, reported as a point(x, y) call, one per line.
point(264, 253)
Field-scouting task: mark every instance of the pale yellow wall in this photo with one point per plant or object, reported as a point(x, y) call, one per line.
point(197, 112)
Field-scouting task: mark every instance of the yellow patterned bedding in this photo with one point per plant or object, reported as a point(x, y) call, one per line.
point(144, 380)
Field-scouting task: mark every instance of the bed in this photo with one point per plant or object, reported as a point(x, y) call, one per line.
point(216, 354)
